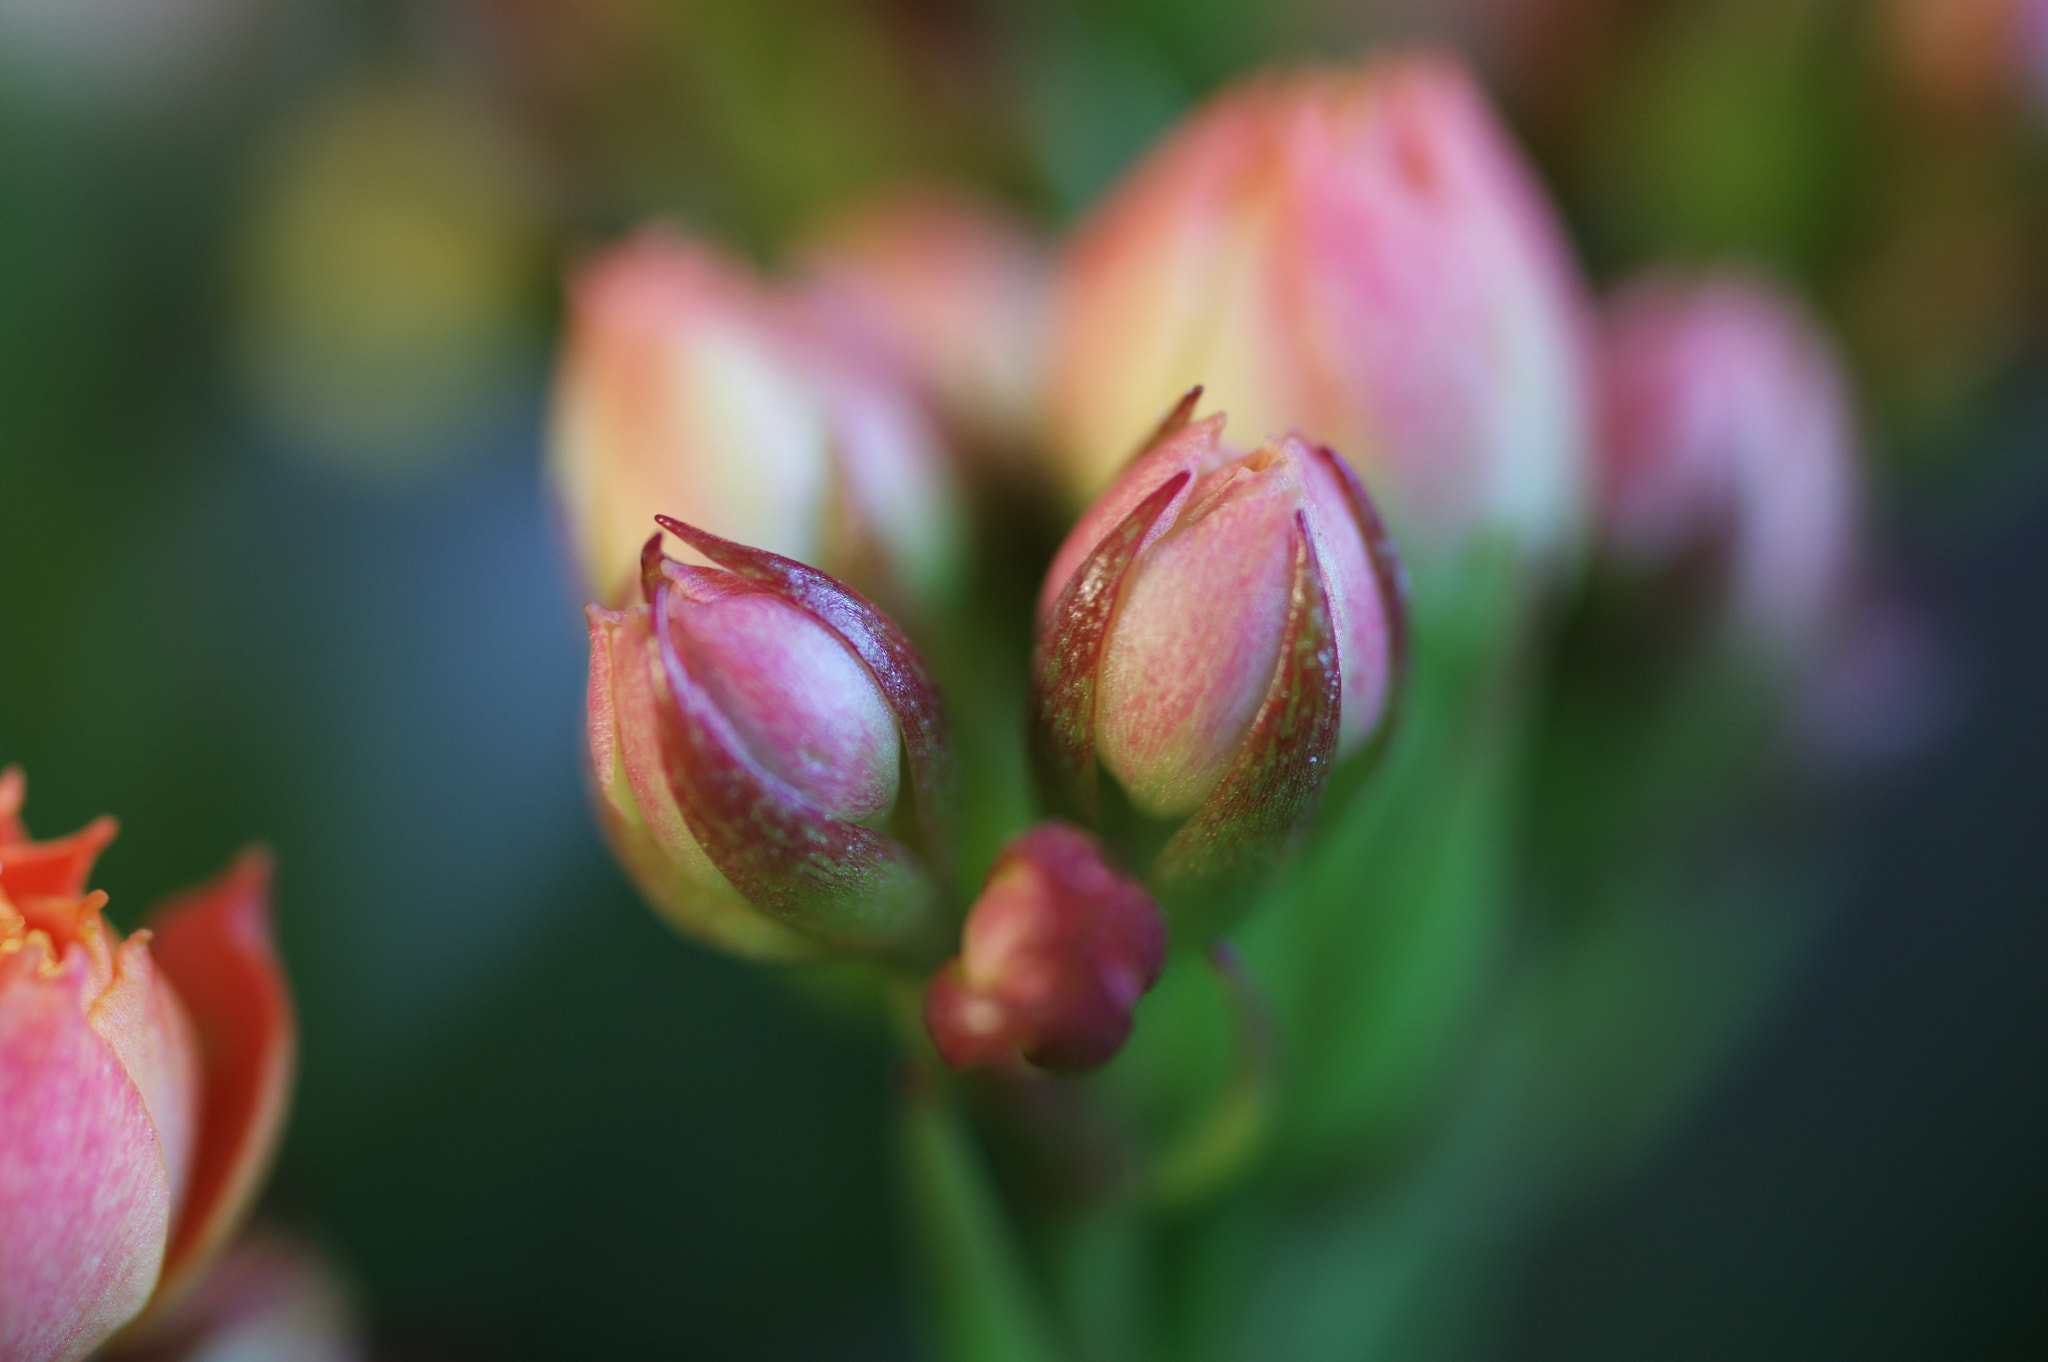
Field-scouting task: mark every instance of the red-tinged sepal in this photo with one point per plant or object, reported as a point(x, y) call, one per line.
point(1070, 643)
point(901, 675)
point(213, 944)
point(846, 886)
point(57, 868)
point(1245, 825)
point(1055, 955)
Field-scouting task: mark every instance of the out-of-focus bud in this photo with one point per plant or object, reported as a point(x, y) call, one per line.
point(751, 728)
point(1360, 255)
point(953, 292)
point(268, 1297)
point(687, 386)
point(1727, 428)
point(142, 1084)
point(1217, 630)
point(1961, 58)
point(1056, 952)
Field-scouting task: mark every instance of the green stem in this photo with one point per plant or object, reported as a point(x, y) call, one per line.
point(983, 1306)
point(1230, 1133)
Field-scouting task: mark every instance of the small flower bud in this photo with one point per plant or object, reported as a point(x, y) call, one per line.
point(1361, 255)
point(751, 727)
point(1217, 630)
point(686, 385)
point(1727, 426)
point(1055, 955)
point(953, 293)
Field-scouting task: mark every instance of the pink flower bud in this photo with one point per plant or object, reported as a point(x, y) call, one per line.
point(746, 722)
point(685, 385)
point(1359, 255)
point(953, 293)
point(1217, 630)
point(141, 1087)
point(267, 1297)
point(1727, 424)
point(1055, 954)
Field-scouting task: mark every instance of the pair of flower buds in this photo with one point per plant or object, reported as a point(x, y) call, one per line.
point(143, 1085)
point(1217, 632)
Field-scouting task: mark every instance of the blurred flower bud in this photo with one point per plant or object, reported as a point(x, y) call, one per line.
point(1727, 428)
point(751, 728)
point(1055, 954)
point(686, 386)
point(1359, 255)
point(1968, 58)
point(1217, 630)
point(142, 1086)
point(953, 292)
point(268, 1297)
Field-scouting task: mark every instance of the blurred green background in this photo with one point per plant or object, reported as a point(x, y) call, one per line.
point(277, 285)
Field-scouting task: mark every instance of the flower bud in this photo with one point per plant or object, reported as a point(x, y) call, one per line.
point(1727, 428)
point(1360, 255)
point(1055, 954)
point(752, 726)
point(687, 386)
point(953, 293)
point(267, 1297)
point(1217, 630)
point(142, 1084)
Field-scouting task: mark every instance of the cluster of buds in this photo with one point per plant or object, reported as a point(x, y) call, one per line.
point(1358, 255)
point(1352, 261)
point(143, 1084)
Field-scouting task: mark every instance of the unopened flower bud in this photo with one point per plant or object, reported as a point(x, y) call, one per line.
point(1360, 255)
point(1727, 428)
point(752, 728)
point(688, 387)
point(1217, 631)
point(953, 293)
point(1055, 955)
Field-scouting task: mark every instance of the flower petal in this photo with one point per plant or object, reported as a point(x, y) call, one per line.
point(895, 665)
point(1279, 772)
point(85, 1195)
point(213, 943)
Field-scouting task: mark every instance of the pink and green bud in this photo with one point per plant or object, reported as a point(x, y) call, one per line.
point(952, 292)
point(1217, 631)
point(1727, 431)
point(755, 727)
point(1055, 955)
point(1361, 255)
point(143, 1084)
point(687, 386)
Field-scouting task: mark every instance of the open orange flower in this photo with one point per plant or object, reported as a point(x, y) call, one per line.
point(143, 1085)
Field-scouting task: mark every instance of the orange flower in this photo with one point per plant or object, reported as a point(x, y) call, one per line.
point(143, 1085)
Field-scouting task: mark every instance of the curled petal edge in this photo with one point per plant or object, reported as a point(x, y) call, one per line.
point(906, 684)
point(1389, 574)
point(213, 944)
point(1063, 674)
